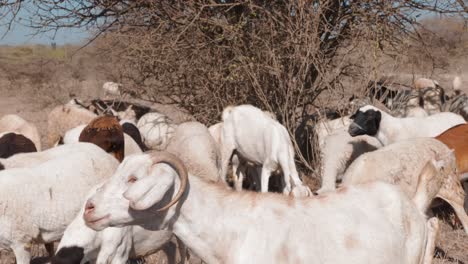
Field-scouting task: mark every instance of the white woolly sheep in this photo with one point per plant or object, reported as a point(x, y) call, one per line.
point(260, 140)
point(37, 203)
point(17, 125)
point(369, 120)
point(400, 162)
point(65, 117)
point(338, 152)
point(81, 244)
point(156, 129)
point(360, 222)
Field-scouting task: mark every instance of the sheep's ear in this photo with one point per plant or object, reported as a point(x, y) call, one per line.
point(149, 190)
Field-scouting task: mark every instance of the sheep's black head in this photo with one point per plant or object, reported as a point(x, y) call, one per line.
point(68, 255)
point(11, 144)
point(366, 121)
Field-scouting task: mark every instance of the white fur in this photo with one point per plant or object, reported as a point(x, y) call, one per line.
point(401, 162)
point(261, 140)
point(112, 245)
point(323, 128)
point(422, 83)
point(38, 202)
point(241, 168)
point(65, 117)
point(156, 129)
point(373, 222)
point(16, 124)
point(338, 152)
point(393, 129)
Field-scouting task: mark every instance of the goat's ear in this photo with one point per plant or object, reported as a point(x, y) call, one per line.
point(353, 116)
point(149, 190)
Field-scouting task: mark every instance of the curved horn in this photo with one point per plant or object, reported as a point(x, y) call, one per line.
point(178, 165)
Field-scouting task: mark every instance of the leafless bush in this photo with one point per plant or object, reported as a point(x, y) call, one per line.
point(281, 56)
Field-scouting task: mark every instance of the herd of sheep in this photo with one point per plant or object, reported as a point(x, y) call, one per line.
point(121, 183)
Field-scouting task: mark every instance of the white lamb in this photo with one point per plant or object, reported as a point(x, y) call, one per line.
point(38, 203)
point(263, 141)
point(373, 222)
point(156, 129)
point(16, 124)
point(369, 120)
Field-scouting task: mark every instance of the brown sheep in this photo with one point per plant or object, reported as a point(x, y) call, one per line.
point(107, 133)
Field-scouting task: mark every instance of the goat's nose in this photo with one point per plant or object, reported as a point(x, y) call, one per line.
point(89, 207)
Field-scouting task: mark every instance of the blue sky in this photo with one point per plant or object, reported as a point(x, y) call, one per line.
point(20, 35)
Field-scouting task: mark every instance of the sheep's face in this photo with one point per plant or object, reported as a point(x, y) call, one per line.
point(130, 195)
point(366, 121)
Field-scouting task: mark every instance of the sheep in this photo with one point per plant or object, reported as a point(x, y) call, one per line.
point(399, 163)
point(339, 151)
point(112, 245)
point(156, 130)
point(107, 133)
point(11, 144)
point(456, 139)
point(240, 167)
point(65, 117)
point(16, 124)
point(369, 120)
point(192, 142)
point(111, 88)
point(260, 140)
point(360, 222)
point(130, 146)
point(37, 203)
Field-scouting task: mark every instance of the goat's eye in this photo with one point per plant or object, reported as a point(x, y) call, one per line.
point(132, 179)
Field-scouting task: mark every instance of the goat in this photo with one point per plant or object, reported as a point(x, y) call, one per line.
point(369, 226)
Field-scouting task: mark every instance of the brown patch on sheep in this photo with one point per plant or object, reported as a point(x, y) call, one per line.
point(107, 133)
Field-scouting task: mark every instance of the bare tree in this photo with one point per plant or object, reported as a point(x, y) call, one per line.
point(203, 55)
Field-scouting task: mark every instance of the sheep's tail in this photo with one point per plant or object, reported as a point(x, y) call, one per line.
point(227, 112)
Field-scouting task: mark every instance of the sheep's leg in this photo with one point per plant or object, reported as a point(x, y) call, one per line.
point(226, 154)
point(182, 250)
point(237, 173)
point(284, 164)
point(432, 227)
point(22, 253)
point(266, 173)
